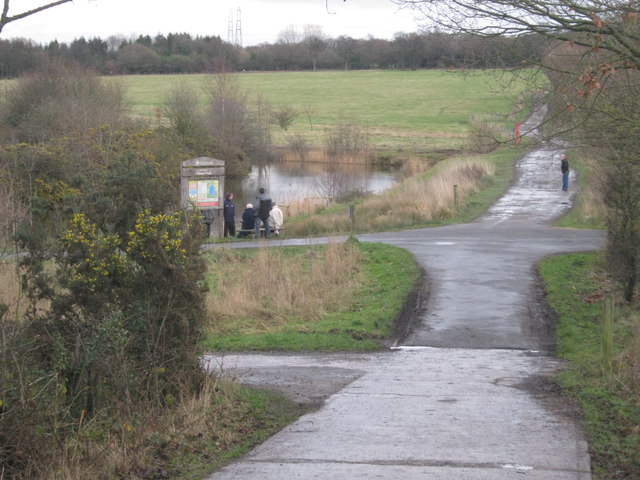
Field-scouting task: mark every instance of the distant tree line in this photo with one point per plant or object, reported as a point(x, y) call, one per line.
point(183, 53)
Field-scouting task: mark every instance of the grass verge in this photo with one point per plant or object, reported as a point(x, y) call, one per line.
point(377, 280)
point(255, 416)
point(609, 400)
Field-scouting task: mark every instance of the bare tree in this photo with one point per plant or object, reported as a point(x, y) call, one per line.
point(315, 41)
point(345, 46)
point(239, 123)
point(289, 35)
point(181, 108)
point(592, 64)
point(337, 182)
point(309, 112)
point(7, 18)
point(347, 142)
point(228, 113)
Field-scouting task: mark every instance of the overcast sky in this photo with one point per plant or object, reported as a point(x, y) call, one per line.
point(260, 20)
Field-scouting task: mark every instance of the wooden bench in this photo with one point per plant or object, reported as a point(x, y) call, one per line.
point(253, 231)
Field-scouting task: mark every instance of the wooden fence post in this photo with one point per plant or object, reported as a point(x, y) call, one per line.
point(456, 202)
point(607, 334)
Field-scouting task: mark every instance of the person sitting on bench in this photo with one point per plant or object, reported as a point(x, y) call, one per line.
point(276, 217)
point(248, 222)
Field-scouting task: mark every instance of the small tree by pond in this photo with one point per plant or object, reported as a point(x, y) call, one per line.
point(284, 116)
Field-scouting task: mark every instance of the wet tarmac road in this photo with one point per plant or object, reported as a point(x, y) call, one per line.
point(483, 291)
point(467, 392)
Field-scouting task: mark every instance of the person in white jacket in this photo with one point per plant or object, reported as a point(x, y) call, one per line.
point(276, 218)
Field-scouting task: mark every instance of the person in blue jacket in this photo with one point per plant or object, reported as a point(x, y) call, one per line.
point(564, 168)
point(229, 214)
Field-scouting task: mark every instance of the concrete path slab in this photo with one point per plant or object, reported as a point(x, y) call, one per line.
point(410, 413)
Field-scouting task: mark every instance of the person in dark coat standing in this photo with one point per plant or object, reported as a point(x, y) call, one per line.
point(263, 209)
point(248, 221)
point(229, 213)
point(564, 168)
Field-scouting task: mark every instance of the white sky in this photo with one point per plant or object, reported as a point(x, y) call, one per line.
point(261, 20)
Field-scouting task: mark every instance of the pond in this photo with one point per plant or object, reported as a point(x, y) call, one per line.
point(295, 182)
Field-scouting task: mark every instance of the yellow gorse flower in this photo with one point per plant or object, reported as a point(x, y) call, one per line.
point(96, 256)
point(157, 235)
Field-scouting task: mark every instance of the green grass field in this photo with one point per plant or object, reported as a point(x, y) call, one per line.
point(424, 109)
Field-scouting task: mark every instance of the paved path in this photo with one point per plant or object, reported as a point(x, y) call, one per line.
point(466, 393)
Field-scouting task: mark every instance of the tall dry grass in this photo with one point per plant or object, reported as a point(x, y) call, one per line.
point(262, 292)
point(591, 204)
point(306, 206)
point(424, 198)
point(146, 444)
point(9, 288)
point(485, 135)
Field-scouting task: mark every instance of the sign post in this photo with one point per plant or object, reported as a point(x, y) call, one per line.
point(202, 188)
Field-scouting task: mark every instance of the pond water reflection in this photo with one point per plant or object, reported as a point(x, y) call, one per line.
point(290, 182)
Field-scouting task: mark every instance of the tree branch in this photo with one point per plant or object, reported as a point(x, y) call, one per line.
point(607, 25)
point(5, 18)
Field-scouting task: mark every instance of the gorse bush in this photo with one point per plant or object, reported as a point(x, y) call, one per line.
point(114, 286)
point(114, 323)
point(111, 301)
point(167, 289)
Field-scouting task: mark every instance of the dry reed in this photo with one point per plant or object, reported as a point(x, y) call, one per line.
point(322, 157)
point(264, 292)
point(591, 205)
point(424, 198)
point(306, 206)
